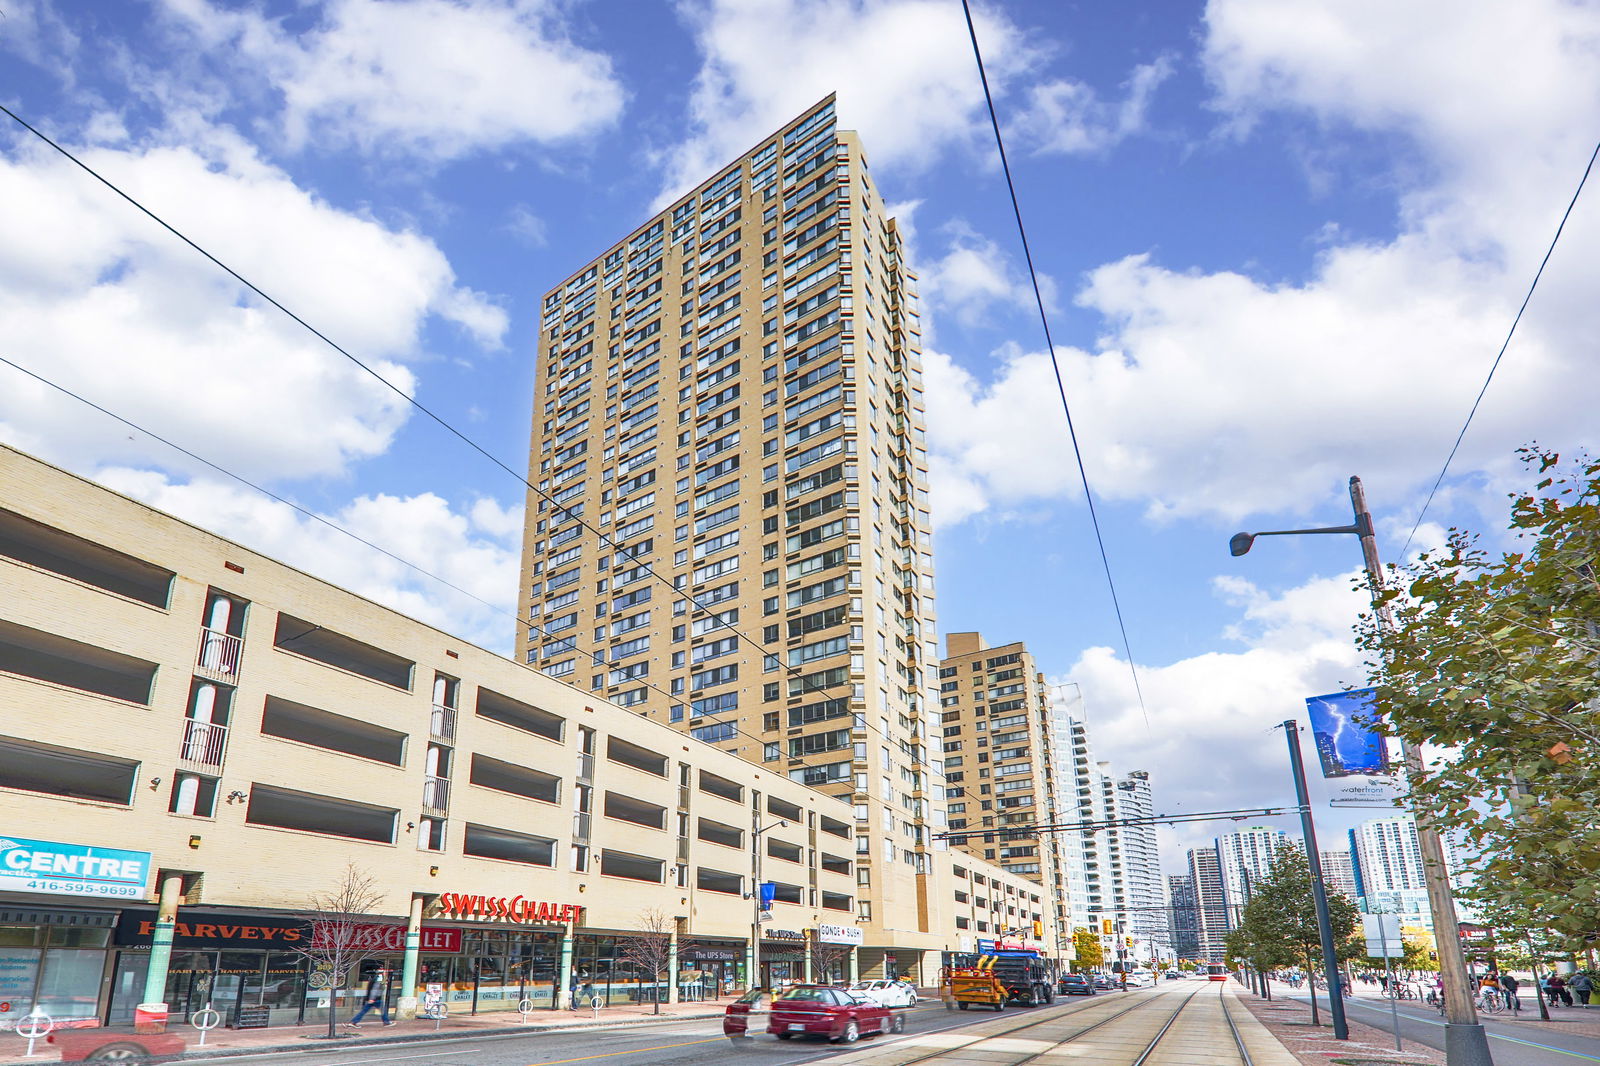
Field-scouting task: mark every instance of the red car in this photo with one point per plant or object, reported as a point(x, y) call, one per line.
point(104, 1045)
point(836, 1013)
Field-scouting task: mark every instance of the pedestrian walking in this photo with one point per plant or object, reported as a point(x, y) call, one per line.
point(1581, 985)
point(1558, 990)
point(1509, 986)
point(376, 995)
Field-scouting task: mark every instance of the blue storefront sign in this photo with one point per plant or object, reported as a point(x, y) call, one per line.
point(57, 869)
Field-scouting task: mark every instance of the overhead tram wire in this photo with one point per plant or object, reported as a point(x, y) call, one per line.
point(1055, 364)
point(604, 538)
point(1501, 354)
point(571, 642)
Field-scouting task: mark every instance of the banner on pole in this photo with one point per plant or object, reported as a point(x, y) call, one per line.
point(1351, 752)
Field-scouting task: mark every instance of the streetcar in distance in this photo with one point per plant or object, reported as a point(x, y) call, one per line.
point(1215, 971)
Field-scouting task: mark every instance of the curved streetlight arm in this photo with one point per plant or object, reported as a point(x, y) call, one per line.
point(1240, 543)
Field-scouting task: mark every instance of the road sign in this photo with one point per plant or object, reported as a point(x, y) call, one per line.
point(1382, 932)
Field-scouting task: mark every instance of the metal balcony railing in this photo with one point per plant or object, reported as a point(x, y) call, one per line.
point(436, 795)
point(442, 723)
point(203, 744)
point(219, 655)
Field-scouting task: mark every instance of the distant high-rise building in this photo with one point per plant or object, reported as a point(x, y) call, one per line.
point(1338, 872)
point(1245, 857)
point(1000, 765)
point(1134, 861)
point(1118, 866)
point(1211, 907)
point(1388, 870)
point(1184, 907)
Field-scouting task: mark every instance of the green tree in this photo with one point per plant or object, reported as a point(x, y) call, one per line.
point(1279, 924)
point(1496, 657)
point(1087, 944)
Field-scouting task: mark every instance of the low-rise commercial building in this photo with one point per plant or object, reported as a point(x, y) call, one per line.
point(198, 738)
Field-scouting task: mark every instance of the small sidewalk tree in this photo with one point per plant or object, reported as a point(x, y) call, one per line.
point(340, 928)
point(1280, 921)
point(649, 949)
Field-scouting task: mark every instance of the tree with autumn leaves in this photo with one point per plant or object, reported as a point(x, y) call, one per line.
point(1494, 663)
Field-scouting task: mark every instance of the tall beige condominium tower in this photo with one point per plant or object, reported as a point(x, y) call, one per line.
point(999, 756)
point(730, 530)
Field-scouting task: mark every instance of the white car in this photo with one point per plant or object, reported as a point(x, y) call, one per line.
point(886, 993)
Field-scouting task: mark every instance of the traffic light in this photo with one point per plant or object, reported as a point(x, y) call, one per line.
point(1106, 927)
point(1127, 941)
point(1038, 930)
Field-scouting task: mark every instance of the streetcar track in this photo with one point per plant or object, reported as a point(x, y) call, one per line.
point(1238, 1040)
point(1150, 1048)
point(1031, 1024)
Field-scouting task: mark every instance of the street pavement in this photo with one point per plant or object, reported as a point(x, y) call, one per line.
point(934, 1037)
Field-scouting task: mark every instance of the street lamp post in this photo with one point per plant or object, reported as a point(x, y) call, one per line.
point(756, 829)
point(1466, 1043)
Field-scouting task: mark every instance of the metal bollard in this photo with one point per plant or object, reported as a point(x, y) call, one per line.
point(594, 1004)
point(38, 1024)
point(205, 1020)
point(525, 1008)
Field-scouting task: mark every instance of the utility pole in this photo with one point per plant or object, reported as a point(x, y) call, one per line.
point(1465, 1042)
point(1319, 891)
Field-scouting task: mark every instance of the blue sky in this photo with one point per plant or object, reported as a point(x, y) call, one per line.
point(1281, 245)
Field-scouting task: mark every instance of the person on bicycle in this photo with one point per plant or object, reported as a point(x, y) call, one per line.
point(1509, 985)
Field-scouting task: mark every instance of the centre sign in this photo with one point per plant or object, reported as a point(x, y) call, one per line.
point(72, 869)
point(507, 909)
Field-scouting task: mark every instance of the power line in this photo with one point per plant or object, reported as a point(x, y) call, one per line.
point(1055, 364)
point(808, 687)
point(572, 644)
point(1501, 354)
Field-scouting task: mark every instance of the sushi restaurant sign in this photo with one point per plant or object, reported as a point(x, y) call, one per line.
point(58, 869)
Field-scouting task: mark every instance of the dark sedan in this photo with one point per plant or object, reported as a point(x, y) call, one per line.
point(1075, 984)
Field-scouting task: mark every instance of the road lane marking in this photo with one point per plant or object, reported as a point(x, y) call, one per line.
point(635, 1051)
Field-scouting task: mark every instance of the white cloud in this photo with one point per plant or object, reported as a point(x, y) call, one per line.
point(903, 70)
point(477, 552)
point(975, 276)
point(527, 227)
point(99, 299)
point(1067, 116)
point(1296, 644)
point(996, 445)
point(1224, 394)
point(435, 78)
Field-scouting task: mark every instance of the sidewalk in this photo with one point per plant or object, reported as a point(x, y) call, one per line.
point(1289, 1020)
point(1579, 1021)
point(224, 1042)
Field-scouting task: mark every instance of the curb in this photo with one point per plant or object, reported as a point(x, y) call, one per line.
point(311, 1043)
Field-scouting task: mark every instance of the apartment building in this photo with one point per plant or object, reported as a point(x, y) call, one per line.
point(1245, 857)
point(1184, 906)
point(1211, 906)
point(1000, 766)
point(1388, 871)
point(1338, 871)
point(195, 731)
point(729, 531)
point(1120, 864)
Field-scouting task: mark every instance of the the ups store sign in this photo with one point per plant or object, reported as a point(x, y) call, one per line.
point(194, 930)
